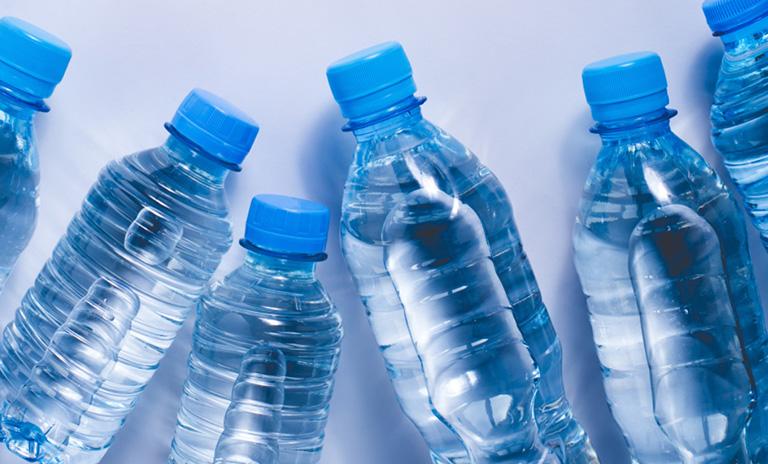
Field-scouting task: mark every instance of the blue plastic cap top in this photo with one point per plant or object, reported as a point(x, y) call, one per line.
point(726, 15)
point(625, 86)
point(31, 59)
point(216, 126)
point(371, 80)
point(287, 225)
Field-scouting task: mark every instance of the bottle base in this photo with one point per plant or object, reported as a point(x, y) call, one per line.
point(28, 442)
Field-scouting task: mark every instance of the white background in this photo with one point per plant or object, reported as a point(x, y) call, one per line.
point(501, 75)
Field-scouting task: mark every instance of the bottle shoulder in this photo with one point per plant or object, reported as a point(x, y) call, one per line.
point(630, 180)
point(245, 307)
point(247, 291)
point(143, 209)
point(423, 143)
point(158, 168)
point(151, 178)
point(741, 92)
point(423, 158)
point(664, 161)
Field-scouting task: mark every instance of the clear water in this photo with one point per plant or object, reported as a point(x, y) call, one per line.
point(740, 133)
point(19, 178)
point(280, 303)
point(740, 119)
point(252, 421)
point(395, 160)
point(39, 419)
point(128, 232)
point(702, 391)
point(473, 356)
point(642, 166)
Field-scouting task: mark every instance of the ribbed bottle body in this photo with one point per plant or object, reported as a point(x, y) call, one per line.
point(282, 310)
point(740, 119)
point(156, 224)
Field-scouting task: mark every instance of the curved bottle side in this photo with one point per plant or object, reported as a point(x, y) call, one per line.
point(164, 179)
point(702, 389)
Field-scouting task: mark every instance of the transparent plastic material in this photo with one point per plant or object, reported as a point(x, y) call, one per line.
point(642, 166)
point(740, 134)
point(278, 302)
point(153, 236)
point(702, 392)
point(19, 178)
point(165, 271)
point(252, 421)
point(38, 420)
point(740, 118)
point(473, 356)
point(400, 158)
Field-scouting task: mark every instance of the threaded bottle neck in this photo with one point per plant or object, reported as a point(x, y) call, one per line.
point(403, 114)
point(12, 104)
point(650, 125)
point(198, 165)
point(281, 267)
point(746, 38)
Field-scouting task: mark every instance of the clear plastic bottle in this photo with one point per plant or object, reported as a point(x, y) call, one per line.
point(39, 419)
point(275, 299)
point(252, 421)
point(642, 166)
point(740, 133)
point(407, 169)
point(156, 223)
point(739, 111)
point(32, 62)
point(702, 393)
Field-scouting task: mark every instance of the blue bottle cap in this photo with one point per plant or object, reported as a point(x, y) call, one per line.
point(625, 86)
point(724, 16)
point(287, 225)
point(371, 80)
point(215, 126)
point(31, 60)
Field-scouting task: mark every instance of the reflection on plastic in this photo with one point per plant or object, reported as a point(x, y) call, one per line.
point(740, 133)
point(153, 236)
point(19, 179)
point(253, 418)
point(38, 420)
point(480, 376)
point(701, 387)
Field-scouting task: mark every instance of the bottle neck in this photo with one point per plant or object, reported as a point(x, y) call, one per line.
point(12, 106)
point(645, 127)
point(746, 38)
point(280, 267)
point(17, 126)
point(404, 114)
point(199, 166)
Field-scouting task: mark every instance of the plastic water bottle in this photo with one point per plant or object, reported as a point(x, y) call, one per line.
point(155, 223)
point(32, 62)
point(252, 421)
point(702, 393)
point(740, 134)
point(739, 118)
point(274, 298)
point(38, 420)
point(642, 166)
point(409, 177)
